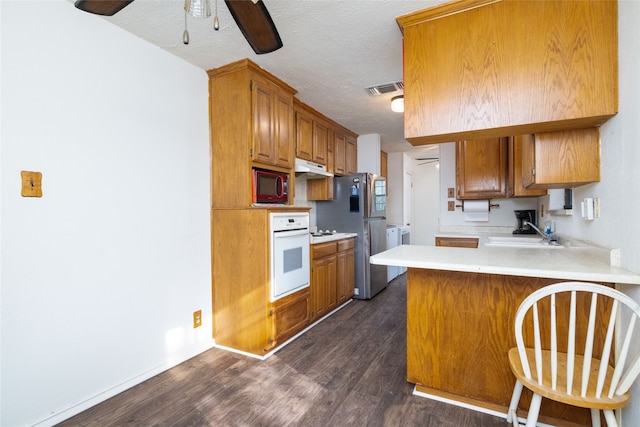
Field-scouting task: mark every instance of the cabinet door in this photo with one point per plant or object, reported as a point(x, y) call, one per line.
point(263, 147)
point(499, 79)
point(351, 156)
point(340, 145)
point(345, 280)
point(516, 173)
point(561, 159)
point(320, 189)
point(481, 168)
point(289, 316)
point(322, 280)
point(457, 242)
point(284, 130)
point(304, 135)
point(320, 141)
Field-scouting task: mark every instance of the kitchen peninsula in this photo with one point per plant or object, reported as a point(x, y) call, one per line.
point(461, 306)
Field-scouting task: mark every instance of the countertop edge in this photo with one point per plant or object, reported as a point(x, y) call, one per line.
point(564, 264)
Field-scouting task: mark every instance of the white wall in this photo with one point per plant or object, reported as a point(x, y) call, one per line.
point(619, 226)
point(100, 276)
point(394, 188)
point(426, 202)
point(369, 153)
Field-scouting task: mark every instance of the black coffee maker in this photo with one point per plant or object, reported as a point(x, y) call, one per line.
point(522, 216)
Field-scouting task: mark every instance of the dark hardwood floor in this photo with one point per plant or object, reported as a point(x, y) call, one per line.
point(349, 370)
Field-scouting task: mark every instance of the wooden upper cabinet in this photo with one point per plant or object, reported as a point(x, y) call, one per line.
point(284, 135)
point(345, 154)
point(324, 141)
point(351, 155)
point(519, 67)
point(304, 133)
point(481, 168)
point(339, 147)
point(252, 124)
point(383, 164)
point(561, 159)
point(312, 134)
point(515, 186)
point(320, 141)
point(273, 138)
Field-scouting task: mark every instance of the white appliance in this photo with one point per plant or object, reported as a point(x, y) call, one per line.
point(290, 269)
point(393, 240)
point(405, 239)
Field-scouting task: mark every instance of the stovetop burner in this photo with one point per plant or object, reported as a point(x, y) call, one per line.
point(321, 233)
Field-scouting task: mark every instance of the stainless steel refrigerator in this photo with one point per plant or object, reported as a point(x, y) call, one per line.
point(359, 206)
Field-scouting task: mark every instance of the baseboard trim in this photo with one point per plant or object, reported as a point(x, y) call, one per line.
point(475, 405)
point(284, 344)
point(79, 407)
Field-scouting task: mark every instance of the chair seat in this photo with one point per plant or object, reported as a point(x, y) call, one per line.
point(545, 390)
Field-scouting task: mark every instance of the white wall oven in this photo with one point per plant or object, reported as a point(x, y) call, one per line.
point(290, 269)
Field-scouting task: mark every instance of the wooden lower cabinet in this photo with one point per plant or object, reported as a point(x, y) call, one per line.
point(457, 242)
point(332, 275)
point(289, 315)
point(244, 318)
point(346, 265)
point(459, 330)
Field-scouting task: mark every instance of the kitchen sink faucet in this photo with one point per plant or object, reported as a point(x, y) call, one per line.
point(550, 238)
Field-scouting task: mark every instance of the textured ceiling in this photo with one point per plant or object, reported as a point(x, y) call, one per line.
point(333, 50)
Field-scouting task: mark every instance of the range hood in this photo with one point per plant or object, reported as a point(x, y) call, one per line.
point(311, 170)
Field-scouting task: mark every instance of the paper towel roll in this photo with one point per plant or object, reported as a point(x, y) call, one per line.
point(475, 210)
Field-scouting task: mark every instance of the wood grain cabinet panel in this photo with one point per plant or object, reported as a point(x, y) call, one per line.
point(459, 330)
point(351, 155)
point(290, 315)
point(457, 242)
point(515, 186)
point(339, 147)
point(332, 275)
point(519, 67)
point(561, 159)
point(481, 168)
point(345, 274)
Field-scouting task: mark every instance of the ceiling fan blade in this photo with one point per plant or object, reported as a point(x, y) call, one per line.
point(256, 25)
point(102, 7)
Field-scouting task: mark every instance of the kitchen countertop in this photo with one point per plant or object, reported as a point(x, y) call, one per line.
point(331, 237)
point(575, 261)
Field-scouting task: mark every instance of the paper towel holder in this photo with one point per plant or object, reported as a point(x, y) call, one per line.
point(491, 205)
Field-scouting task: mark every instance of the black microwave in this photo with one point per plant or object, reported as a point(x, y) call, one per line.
point(270, 186)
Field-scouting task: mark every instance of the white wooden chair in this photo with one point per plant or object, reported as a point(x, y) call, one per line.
point(571, 375)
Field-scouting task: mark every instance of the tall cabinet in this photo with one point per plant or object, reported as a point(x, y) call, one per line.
point(252, 126)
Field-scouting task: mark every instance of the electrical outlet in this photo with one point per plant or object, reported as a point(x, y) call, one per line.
point(450, 193)
point(197, 318)
point(451, 206)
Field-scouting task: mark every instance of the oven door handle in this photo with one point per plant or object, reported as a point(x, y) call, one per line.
point(290, 233)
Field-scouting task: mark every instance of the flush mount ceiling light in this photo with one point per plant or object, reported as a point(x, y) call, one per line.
point(397, 104)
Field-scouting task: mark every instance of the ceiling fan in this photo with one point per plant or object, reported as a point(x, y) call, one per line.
point(251, 16)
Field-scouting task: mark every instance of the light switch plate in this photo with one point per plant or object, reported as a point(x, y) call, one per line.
point(31, 184)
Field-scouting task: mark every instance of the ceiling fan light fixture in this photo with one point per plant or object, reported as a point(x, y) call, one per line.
point(198, 8)
point(102, 7)
point(397, 104)
point(256, 24)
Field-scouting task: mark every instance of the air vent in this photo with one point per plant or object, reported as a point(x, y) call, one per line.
point(385, 88)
